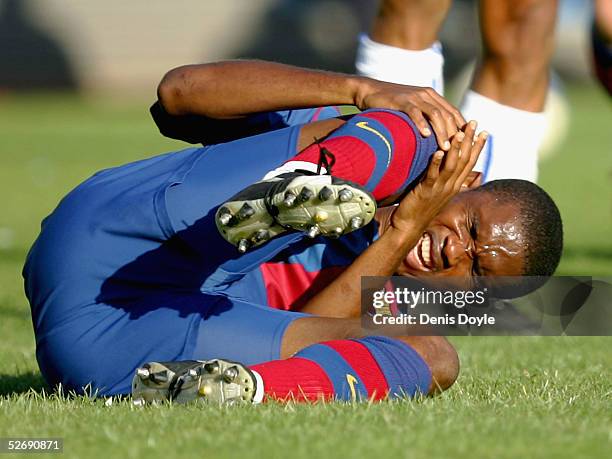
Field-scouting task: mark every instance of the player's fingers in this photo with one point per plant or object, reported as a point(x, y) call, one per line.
point(465, 155)
point(416, 115)
point(450, 161)
point(471, 181)
point(453, 111)
point(451, 126)
point(433, 170)
point(434, 114)
point(467, 144)
point(477, 147)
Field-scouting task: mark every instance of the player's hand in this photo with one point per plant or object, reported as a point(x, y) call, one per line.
point(446, 175)
point(420, 104)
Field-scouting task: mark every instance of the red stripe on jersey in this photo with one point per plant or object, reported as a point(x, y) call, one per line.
point(355, 159)
point(289, 286)
point(359, 357)
point(404, 148)
point(295, 378)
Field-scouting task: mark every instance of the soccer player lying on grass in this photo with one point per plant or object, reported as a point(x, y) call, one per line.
point(134, 264)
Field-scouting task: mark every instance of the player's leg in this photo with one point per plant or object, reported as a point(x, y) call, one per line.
point(369, 368)
point(510, 84)
point(318, 358)
point(379, 151)
point(402, 46)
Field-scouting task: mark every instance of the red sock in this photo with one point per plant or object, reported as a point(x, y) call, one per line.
point(322, 371)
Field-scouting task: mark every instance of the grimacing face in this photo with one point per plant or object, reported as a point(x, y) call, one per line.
point(474, 235)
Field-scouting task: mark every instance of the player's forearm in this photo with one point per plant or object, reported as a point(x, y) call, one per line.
point(236, 88)
point(342, 298)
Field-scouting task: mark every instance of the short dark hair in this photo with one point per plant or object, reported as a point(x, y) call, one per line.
point(541, 222)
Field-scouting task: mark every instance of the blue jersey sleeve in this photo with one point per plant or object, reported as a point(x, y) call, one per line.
point(209, 131)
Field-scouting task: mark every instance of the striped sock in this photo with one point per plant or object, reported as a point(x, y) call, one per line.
point(366, 369)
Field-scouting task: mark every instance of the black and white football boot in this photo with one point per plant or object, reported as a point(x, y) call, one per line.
point(315, 204)
point(214, 382)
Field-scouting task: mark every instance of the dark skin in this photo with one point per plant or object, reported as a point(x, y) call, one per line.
point(402, 227)
point(471, 236)
point(220, 91)
point(234, 89)
point(517, 36)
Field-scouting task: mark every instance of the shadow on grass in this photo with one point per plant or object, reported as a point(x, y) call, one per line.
point(22, 383)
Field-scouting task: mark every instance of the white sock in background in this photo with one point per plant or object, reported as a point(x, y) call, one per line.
point(398, 65)
point(515, 137)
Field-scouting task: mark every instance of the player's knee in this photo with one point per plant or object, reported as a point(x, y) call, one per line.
point(441, 358)
point(445, 367)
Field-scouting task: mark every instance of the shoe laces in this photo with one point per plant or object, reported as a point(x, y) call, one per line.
point(326, 159)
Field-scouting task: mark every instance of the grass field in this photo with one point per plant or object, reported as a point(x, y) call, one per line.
point(516, 397)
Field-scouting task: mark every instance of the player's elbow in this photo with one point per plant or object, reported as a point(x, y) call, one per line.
point(172, 90)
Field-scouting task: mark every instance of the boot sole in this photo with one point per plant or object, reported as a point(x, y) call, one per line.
point(332, 216)
point(213, 381)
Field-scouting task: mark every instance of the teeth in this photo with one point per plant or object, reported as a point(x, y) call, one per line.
point(426, 249)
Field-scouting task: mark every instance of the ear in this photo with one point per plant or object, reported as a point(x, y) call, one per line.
point(473, 180)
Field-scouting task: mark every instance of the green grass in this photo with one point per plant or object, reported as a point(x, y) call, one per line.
point(516, 397)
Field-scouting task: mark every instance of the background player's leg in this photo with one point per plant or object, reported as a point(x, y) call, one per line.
point(402, 46)
point(511, 83)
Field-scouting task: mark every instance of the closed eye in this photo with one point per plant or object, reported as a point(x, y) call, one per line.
point(476, 266)
point(474, 235)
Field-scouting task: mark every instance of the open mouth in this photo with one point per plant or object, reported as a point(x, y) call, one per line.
point(424, 252)
point(421, 256)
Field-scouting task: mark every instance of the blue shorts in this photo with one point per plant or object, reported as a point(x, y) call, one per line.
point(130, 268)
